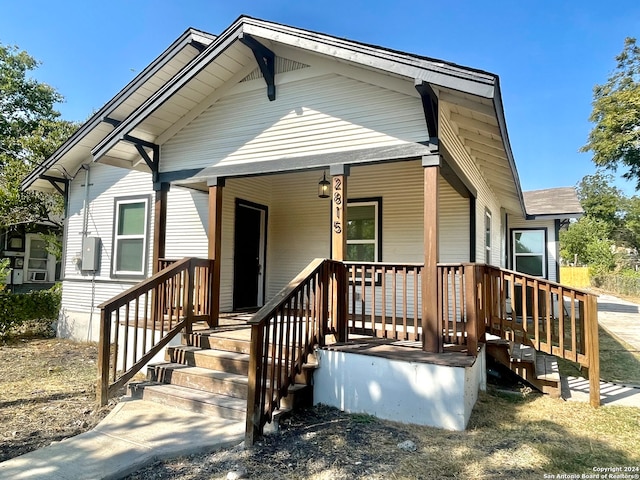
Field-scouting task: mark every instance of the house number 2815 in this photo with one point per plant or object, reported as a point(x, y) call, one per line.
point(337, 201)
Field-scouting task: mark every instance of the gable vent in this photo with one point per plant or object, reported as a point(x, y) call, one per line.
point(282, 65)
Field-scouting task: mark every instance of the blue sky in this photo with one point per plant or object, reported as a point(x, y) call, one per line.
point(548, 54)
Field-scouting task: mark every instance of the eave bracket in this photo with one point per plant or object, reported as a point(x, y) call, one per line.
point(152, 160)
point(266, 62)
point(430, 107)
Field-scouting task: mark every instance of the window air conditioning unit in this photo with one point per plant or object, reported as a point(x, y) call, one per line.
point(38, 276)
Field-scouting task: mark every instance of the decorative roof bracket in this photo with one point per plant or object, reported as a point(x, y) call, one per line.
point(151, 161)
point(430, 107)
point(266, 62)
point(60, 184)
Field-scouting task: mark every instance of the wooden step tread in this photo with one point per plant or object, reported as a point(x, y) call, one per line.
point(204, 372)
point(522, 353)
point(210, 352)
point(547, 368)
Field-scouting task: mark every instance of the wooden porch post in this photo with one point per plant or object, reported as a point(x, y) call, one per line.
point(339, 174)
point(215, 246)
point(339, 197)
point(159, 224)
point(431, 330)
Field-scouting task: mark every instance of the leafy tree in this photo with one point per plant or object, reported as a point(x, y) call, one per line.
point(601, 200)
point(615, 138)
point(30, 131)
point(586, 241)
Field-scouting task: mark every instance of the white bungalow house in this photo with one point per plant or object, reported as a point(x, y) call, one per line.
point(268, 146)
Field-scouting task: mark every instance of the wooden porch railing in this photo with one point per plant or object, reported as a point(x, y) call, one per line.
point(384, 299)
point(138, 323)
point(285, 332)
point(548, 316)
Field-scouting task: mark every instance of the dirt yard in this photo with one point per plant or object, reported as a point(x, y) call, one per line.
point(47, 393)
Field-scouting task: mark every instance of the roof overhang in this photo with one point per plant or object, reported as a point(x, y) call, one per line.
point(472, 99)
point(76, 150)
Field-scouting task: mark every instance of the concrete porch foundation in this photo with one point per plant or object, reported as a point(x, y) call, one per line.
point(400, 383)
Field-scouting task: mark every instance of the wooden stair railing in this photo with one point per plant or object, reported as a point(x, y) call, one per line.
point(545, 315)
point(285, 332)
point(136, 324)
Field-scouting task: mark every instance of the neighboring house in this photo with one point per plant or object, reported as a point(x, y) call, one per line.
point(31, 265)
point(220, 148)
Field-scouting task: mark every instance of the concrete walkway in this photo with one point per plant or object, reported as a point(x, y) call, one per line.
point(134, 434)
point(621, 318)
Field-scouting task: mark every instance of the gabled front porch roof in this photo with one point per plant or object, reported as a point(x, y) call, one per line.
point(469, 100)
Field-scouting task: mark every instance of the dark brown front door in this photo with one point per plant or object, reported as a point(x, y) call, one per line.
point(249, 250)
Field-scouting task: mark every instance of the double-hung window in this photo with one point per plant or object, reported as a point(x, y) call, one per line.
point(529, 252)
point(130, 238)
point(363, 230)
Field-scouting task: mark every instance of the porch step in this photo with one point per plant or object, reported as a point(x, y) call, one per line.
point(232, 340)
point(230, 362)
point(206, 380)
point(191, 400)
point(537, 368)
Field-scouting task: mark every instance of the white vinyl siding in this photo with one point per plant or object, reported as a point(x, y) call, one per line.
point(329, 113)
point(82, 292)
point(517, 223)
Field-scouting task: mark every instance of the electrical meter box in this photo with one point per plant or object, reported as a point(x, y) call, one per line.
point(90, 254)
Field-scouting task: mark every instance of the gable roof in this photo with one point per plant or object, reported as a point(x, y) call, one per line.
point(551, 203)
point(473, 98)
point(77, 148)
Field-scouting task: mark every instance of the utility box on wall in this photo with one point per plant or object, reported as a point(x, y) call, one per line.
point(90, 254)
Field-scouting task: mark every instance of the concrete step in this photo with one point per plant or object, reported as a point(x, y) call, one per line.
point(198, 378)
point(191, 400)
point(230, 362)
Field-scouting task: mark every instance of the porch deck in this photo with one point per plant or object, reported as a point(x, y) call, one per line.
point(234, 326)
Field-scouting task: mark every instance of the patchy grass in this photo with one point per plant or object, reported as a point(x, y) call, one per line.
point(508, 437)
point(619, 363)
point(47, 393)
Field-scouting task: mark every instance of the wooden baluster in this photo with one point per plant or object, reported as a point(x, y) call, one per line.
point(549, 318)
point(135, 329)
point(146, 322)
point(581, 310)
point(394, 306)
point(115, 345)
point(383, 306)
point(126, 338)
point(416, 317)
point(454, 306)
point(442, 272)
point(404, 303)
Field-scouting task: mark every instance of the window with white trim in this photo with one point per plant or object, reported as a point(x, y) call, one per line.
point(363, 231)
point(130, 242)
point(487, 237)
point(529, 252)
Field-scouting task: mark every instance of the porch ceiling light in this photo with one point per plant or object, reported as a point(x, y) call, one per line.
point(323, 186)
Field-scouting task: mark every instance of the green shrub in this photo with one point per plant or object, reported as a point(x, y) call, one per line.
point(34, 312)
point(4, 272)
point(625, 282)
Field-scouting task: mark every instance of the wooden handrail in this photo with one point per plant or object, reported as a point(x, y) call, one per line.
point(162, 306)
point(285, 332)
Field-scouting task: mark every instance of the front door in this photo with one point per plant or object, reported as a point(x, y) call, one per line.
point(249, 255)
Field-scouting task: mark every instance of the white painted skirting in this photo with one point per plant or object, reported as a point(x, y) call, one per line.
point(408, 392)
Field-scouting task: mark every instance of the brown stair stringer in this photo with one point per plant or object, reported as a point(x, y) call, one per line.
point(536, 368)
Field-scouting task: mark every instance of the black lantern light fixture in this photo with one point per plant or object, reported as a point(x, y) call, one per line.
point(323, 186)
